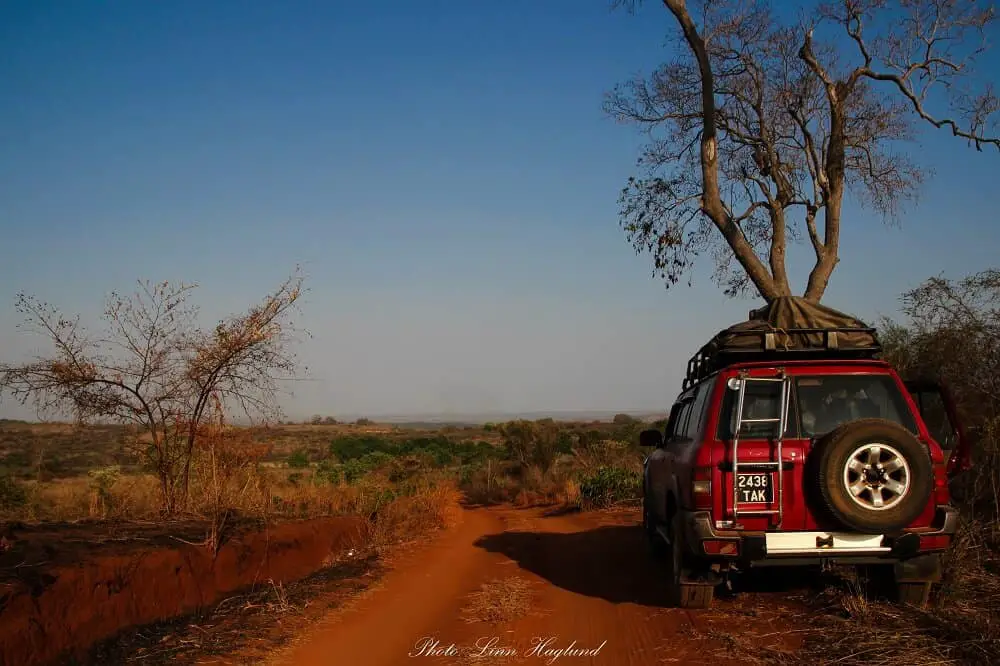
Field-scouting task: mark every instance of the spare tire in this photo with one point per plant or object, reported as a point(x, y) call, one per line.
point(872, 475)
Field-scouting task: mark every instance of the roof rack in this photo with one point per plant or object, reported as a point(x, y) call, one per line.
point(735, 345)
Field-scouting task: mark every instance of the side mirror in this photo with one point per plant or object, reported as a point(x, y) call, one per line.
point(652, 438)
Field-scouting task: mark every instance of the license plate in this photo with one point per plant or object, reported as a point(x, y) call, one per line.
point(754, 488)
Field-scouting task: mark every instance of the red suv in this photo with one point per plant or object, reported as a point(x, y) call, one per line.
point(792, 444)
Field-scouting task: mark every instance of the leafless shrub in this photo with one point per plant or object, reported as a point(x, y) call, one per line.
point(154, 368)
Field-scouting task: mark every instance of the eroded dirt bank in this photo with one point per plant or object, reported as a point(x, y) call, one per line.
point(52, 610)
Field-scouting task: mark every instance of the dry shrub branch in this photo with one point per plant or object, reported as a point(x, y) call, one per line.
point(154, 368)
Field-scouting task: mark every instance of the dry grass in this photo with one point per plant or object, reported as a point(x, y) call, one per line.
point(132, 497)
point(500, 483)
point(431, 507)
point(850, 625)
point(962, 627)
point(500, 600)
point(748, 648)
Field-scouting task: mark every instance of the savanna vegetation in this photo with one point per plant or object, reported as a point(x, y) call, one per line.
point(153, 393)
point(405, 481)
point(74, 472)
point(759, 130)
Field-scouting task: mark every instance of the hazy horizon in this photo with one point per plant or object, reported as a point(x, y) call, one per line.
point(443, 172)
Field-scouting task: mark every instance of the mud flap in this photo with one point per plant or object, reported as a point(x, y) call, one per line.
point(696, 596)
point(704, 577)
point(920, 569)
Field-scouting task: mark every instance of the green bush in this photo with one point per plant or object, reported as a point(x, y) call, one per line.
point(564, 442)
point(589, 440)
point(102, 479)
point(406, 467)
point(356, 468)
point(533, 443)
point(440, 449)
point(298, 460)
point(349, 447)
point(610, 485)
point(329, 471)
point(479, 452)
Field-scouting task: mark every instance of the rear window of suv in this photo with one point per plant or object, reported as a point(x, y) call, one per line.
point(820, 403)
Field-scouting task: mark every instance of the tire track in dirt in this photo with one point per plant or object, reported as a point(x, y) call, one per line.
point(596, 586)
point(382, 626)
point(591, 581)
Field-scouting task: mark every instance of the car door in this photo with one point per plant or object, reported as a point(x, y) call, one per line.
point(659, 463)
point(938, 411)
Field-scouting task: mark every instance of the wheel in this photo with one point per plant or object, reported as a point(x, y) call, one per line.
point(872, 475)
point(657, 546)
point(917, 594)
point(681, 592)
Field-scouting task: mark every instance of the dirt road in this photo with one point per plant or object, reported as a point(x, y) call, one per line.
point(522, 586)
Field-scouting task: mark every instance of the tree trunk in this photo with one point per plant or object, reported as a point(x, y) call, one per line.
point(711, 203)
point(165, 495)
point(828, 256)
point(777, 253)
point(162, 463)
point(189, 443)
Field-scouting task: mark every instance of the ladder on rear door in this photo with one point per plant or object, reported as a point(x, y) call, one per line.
point(772, 464)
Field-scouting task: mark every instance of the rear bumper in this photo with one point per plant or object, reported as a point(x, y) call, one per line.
point(789, 548)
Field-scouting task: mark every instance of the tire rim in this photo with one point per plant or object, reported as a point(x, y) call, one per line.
point(876, 476)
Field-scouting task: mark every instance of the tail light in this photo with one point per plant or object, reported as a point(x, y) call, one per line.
point(960, 459)
point(941, 495)
point(701, 487)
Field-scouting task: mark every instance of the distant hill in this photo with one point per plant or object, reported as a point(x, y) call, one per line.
point(471, 419)
point(498, 417)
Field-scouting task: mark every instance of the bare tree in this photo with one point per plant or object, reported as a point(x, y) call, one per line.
point(759, 128)
point(154, 368)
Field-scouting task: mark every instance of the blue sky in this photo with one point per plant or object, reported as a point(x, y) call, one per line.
point(443, 172)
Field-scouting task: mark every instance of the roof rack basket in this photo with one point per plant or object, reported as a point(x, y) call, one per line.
point(761, 344)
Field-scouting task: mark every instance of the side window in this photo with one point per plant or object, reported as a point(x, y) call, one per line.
point(673, 421)
point(680, 430)
point(697, 416)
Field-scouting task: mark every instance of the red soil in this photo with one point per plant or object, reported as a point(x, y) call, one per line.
point(64, 608)
point(591, 581)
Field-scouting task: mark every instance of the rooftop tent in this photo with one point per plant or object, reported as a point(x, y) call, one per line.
point(788, 327)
